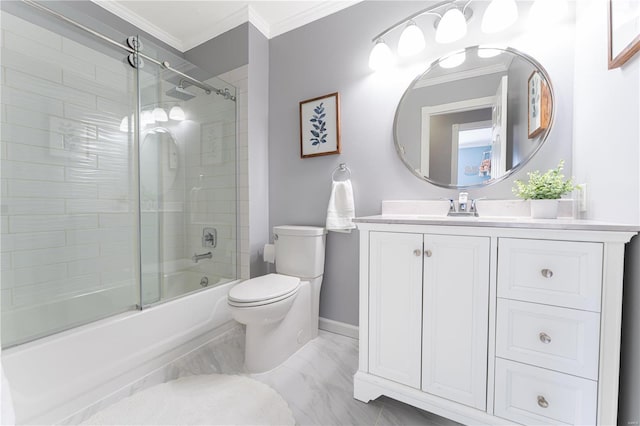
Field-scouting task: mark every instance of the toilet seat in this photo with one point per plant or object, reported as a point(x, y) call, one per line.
point(263, 290)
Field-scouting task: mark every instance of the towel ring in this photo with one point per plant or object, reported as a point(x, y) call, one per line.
point(342, 168)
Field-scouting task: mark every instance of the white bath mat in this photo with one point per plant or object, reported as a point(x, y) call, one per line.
point(213, 399)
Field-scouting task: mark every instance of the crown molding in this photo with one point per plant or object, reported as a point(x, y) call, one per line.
point(259, 22)
point(122, 12)
point(323, 9)
point(222, 26)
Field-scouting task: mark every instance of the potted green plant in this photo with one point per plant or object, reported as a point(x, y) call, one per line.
point(544, 191)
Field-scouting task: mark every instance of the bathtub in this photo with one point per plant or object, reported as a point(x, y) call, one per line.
point(54, 377)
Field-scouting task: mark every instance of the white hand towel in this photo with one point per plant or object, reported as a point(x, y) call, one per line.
point(341, 210)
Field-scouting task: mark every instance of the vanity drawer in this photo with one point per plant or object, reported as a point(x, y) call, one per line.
point(560, 273)
point(566, 340)
point(534, 396)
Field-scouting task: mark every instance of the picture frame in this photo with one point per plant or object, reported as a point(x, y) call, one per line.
point(539, 105)
point(320, 126)
point(624, 31)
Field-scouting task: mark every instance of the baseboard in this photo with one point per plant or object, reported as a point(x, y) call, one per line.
point(338, 327)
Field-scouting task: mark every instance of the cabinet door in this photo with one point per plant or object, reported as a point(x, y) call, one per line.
point(395, 307)
point(456, 318)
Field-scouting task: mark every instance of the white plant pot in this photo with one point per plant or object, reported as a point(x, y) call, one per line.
point(544, 209)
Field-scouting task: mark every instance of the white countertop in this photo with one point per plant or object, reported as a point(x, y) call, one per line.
point(499, 222)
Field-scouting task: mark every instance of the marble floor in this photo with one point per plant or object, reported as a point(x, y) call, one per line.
point(317, 382)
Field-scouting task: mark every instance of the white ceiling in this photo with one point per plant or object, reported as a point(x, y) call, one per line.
point(184, 24)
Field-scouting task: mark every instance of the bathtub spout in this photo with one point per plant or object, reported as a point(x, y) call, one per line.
point(196, 257)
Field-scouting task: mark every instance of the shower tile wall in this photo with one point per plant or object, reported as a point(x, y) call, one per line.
point(67, 205)
point(239, 78)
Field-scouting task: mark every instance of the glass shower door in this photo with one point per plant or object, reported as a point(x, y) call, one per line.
point(188, 187)
point(69, 209)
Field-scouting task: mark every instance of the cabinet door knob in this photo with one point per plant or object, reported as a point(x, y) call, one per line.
point(544, 337)
point(417, 252)
point(542, 402)
point(547, 273)
point(428, 253)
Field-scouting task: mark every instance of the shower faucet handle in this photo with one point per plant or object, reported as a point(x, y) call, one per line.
point(209, 237)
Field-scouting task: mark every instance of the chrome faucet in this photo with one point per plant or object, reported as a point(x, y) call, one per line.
point(196, 257)
point(464, 207)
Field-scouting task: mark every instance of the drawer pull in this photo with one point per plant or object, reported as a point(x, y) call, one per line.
point(544, 337)
point(542, 402)
point(428, 253)
point(417, 252)
point(547, 273)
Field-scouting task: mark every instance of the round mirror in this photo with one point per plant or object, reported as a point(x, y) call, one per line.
point(158, 162)
point(473, 117)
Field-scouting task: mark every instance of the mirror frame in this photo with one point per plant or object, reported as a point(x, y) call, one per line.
point(543, 137)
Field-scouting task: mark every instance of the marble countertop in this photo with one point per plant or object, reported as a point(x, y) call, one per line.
point(498, 222)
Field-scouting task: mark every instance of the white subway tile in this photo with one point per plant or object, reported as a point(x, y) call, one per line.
point(122, 249)
point(49, 156)
point(27, 188)
point(97, 206)
point(28, 276)
point(32, 66)
point(31, 101)
point(101, 235)
point(117, 276)
point(4, 224)
point(117, 220)
point(25, 241)
point(30, 171)
point(47, 88)
point(104, 89)
point(17, 206)
point(56, 290)
point(31, 31)
point(49, 256)
point(27, 223)
point(99, 264)
point(46, 54)
point(115, 191)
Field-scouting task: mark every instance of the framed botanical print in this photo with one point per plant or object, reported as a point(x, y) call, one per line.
point(320, 126)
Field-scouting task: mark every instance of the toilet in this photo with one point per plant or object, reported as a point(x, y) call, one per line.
point(280, 310)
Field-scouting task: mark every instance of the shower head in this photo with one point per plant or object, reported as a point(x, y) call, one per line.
point(180, 93)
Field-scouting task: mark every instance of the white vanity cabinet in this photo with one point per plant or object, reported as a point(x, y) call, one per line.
point(428, 313)
point(492, 322)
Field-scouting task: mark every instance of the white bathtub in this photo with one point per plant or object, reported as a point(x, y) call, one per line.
point(56, 376)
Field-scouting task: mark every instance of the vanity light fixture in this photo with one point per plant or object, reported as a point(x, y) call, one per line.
point(146, 117)
point(411, 40)
point(177, 113)
point(450, 24)
point(488, 52)
point(499, 16)
point(124, 124)
point(160, 115)
point(380, 56)
point(452, 27)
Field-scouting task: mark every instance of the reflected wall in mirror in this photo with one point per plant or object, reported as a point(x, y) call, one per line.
point(158, 162)
point(464, 122)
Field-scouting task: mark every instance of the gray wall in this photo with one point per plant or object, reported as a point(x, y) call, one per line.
point(226, 52)
point(331, 55)
point(259, 232)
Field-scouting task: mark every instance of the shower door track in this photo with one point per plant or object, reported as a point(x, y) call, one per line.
point(163, 64)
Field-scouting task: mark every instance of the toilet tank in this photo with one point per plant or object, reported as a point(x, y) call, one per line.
point(299, 250)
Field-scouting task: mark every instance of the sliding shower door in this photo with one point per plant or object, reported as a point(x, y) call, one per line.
point(69, 206)
point(188, 187)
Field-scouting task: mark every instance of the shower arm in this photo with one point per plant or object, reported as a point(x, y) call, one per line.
point(163, 64)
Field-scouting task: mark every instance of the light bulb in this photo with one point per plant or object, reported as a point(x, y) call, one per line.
point(124, 124)
point(546, 12)
point(176, 113)
point(380, 56)
point(452, 26)
point(500, 15)
point(146, 117)
point(453, 60)
point(160, 115)
point(411, 40)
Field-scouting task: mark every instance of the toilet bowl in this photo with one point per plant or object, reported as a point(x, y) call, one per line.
point(280, 310)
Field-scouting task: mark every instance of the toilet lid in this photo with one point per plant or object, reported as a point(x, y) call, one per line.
point(263, 288)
